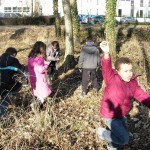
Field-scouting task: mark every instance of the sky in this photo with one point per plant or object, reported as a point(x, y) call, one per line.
point(48, 6)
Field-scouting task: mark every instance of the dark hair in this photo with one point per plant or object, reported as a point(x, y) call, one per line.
point(89, 39)
point(122, 60)
point(38, 48)
point(55, 45)
point(11, 51)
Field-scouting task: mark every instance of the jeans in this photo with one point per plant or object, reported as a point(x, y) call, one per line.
point(88, 74)
point(117, 134)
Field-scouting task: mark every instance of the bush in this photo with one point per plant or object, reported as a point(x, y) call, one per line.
point(41, 20)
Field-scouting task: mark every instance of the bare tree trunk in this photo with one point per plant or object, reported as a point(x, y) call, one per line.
point(69, 52)
point(110, 25)
point(57, 18)
point(68, 28)
point(74, 14)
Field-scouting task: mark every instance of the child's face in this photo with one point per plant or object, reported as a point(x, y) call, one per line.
point(125, 72)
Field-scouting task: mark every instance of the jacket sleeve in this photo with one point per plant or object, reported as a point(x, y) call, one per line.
point(81, 59)
point(141, 95)
point(17, 64)
point(40, 66)
point(107, 70)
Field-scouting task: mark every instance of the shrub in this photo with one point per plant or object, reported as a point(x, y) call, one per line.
point(41, 20)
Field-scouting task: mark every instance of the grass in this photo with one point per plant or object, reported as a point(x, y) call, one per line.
point(68, 121)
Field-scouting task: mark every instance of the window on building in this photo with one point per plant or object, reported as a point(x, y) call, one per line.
point(7, 9)
point(19, 9)
point(26, 9)
point(119, 12)
point(15, 9)
point(141, 13)
point(141, 3)
point(148, 14)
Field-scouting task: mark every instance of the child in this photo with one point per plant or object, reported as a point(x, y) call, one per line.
point(37, 71)
point(52, 53)
point(88, 61)
point(121, 87)
point(8, 81)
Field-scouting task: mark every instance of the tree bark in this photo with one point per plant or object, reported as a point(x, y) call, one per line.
point(69, 52)
point(68, 28)
point(110, 25)
point(75, 23)
point(57, 18)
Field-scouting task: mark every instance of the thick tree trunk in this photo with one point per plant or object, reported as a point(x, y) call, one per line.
point(68, 28)
point(57, 18)
point(110, 25)
point(69, 52)
point(75, 23)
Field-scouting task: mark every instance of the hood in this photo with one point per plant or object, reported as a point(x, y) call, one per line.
point(90, 49)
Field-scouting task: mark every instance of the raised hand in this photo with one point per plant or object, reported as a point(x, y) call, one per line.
point(104, 46)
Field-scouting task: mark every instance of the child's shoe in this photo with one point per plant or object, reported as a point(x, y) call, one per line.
point(99, 133)
point(41, 99)
point(110, 147)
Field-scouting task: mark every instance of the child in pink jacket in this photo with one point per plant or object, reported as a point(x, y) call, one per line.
point(37, 71)
point(120, 87)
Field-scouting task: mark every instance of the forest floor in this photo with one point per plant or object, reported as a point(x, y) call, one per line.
point(68, 120)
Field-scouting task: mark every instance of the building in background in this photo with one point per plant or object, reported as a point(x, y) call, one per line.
point(135, 8)
point(16, 6)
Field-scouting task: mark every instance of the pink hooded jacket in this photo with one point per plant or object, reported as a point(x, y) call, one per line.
point(116, 102)
point(37, 71)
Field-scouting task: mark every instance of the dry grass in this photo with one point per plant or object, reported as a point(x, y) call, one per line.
point(68, 121)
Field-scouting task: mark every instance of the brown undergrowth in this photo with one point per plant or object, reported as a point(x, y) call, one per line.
point(68, 120)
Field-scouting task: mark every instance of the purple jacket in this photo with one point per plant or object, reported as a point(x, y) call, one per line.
point(116, 102)
point(37, 71)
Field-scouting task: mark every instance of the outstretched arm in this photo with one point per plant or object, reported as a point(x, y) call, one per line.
point(105, 48)
point(107, 70)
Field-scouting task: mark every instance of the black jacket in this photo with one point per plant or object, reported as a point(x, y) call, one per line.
point(7, 75)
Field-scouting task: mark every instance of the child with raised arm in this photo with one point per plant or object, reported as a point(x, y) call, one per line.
point(120, 87)
point(37, 71)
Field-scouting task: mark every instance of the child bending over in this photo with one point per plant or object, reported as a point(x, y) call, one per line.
point(8, 79)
